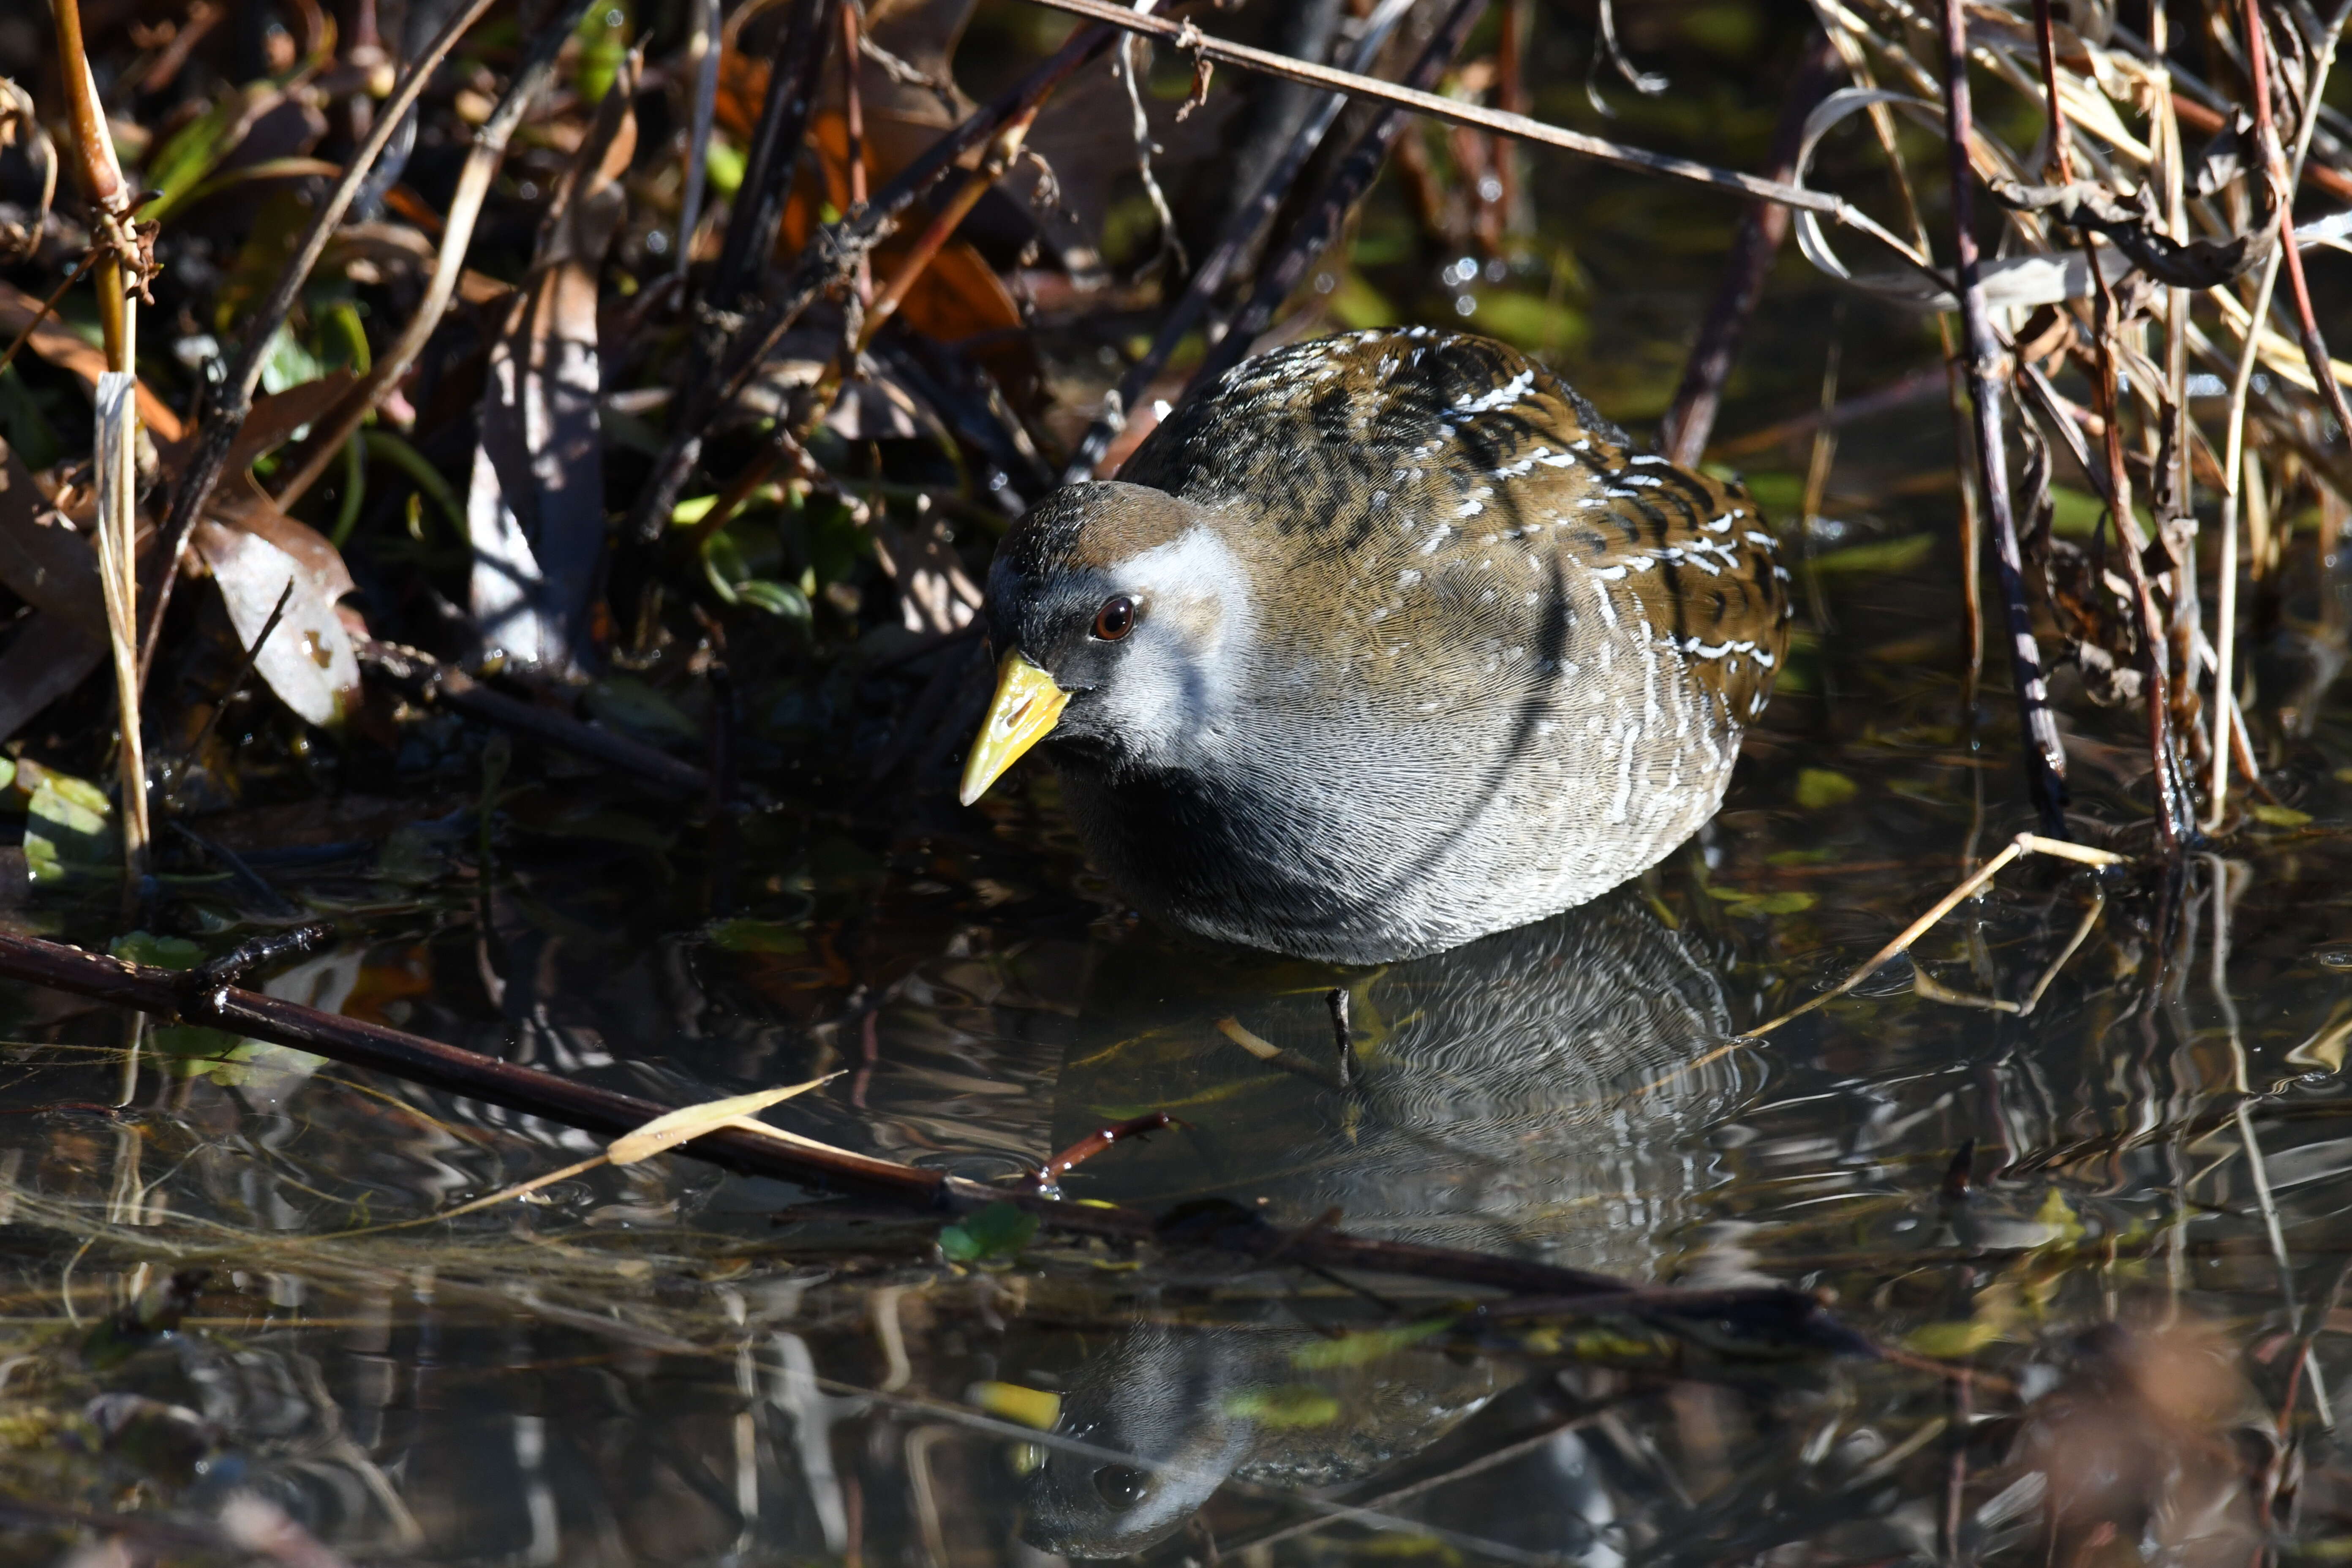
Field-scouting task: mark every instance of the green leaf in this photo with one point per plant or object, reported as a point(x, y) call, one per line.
point(1000, 1230)
point(69, 834)
point(2279, 816)
point(156, 1312)
point(1290, 1404)
point(2059, 1215)
point(188, 154)
point(724, 166)
point(779, 599)
point(1819, 788)
point(627, 703)
point(1358, 306)
point(1949, 1342)
point(158, 951)
point(1531, 320)
point(1359, 1349)
point(289, 362)
point(604, 35)
point(1746, 902)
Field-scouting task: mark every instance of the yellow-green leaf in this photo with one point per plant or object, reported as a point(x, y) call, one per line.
point(1373, 1344)
point(2279, 816)
point(1820, 787)
point(1290, 1405)
point(1035, 1407)
point(1948, 1341)
point(1880, 555)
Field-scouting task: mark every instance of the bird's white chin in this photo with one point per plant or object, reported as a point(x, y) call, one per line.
point(1179, 685)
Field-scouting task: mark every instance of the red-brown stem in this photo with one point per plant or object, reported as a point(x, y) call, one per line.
point(101, 177)
point(571, 1102)
point(1690, 418)
point(1100, 1139)
point(1511, 97)
point(2061, 158)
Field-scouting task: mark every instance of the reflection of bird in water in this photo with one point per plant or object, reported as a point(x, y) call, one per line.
point(1538, 1092)
point(1534, 1092)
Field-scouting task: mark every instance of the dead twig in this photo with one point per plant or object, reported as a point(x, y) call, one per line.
point(830, 256)
point(334, 428)
point(1049, 1175)
point(1318, 223)
point(1419, 101)
point(1241, 234)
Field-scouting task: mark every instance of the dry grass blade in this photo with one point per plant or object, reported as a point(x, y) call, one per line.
point(483, 160)
point(693, 1120)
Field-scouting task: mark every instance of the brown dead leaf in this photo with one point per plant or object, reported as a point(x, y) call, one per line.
point(44, 562)
point(277, 415)
point(64, 348)
point(51, 656)
point(52, 568)
point(959, 296)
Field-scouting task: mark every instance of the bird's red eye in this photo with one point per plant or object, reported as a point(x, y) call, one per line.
point(1115, 618)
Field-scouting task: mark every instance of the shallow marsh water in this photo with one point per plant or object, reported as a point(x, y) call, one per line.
point(663, 1364)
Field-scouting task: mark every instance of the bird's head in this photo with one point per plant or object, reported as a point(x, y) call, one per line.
point(1119, 618)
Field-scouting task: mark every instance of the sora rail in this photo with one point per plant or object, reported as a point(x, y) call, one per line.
point(1382, 643)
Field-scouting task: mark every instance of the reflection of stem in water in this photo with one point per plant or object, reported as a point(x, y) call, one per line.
point(1926, 985)
point(2257, 1171)
point(135, 1036)
point(1817, 483)
point(850, 1396)
point(919, 1443)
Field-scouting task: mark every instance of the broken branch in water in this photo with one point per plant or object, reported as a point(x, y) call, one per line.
point(2023, 844)
point(1095, 1142)
point(189, 997)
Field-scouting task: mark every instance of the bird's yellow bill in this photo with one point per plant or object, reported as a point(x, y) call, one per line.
point(1026, 708)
